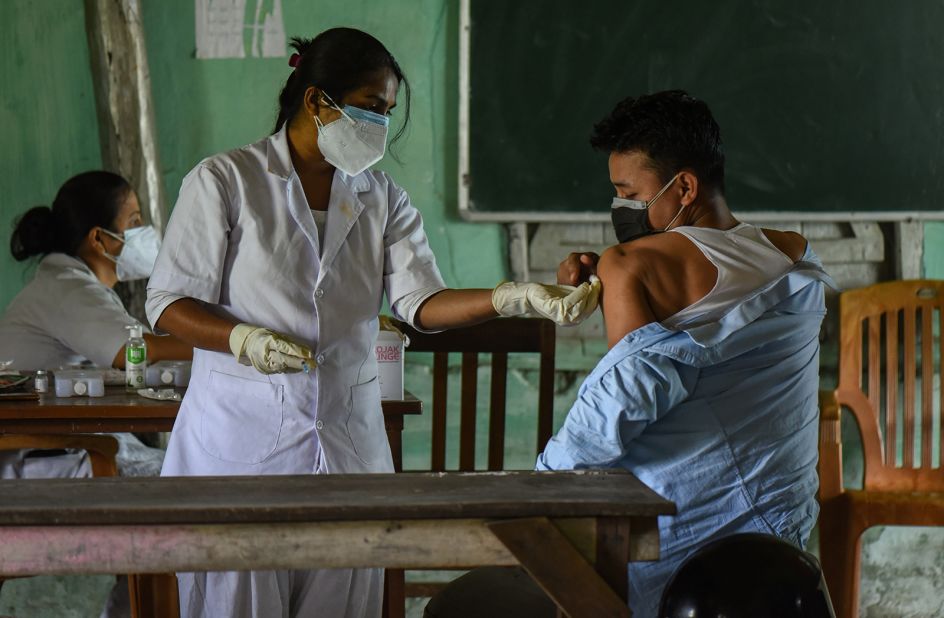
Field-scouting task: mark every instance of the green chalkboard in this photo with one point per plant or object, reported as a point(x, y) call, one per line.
point(824, 106)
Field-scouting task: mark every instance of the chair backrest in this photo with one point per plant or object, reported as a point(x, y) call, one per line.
point(101, 448)
point(498, 338)
point(889, 340)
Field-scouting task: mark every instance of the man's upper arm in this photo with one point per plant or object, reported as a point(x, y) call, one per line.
point(625, 303)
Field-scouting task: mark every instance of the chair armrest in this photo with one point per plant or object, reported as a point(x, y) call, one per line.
point(101, 448)
point(830, 446)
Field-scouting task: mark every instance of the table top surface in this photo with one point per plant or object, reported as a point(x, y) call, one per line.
point(329, 497)
point(119, 403)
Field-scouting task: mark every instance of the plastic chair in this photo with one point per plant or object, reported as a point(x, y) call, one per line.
point(498, 338)
point(886, 380)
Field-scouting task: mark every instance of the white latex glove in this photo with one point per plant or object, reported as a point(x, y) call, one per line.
point(268, 351)
point(564, 304)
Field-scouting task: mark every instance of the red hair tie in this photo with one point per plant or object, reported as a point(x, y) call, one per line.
point(293, 60)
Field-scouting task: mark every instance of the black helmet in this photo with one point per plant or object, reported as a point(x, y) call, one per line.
point(747, 576)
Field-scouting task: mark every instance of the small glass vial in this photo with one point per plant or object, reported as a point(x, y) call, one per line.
point(41, 382)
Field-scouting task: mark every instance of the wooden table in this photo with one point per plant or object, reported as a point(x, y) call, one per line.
point(574, 532)
point(119, 411)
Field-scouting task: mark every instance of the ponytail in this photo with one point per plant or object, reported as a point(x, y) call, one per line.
point(33, 234)
point(84, 202)
point(337, 61)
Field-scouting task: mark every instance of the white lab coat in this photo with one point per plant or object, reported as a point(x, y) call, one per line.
point(242, 239)
point(63, 316)
point(66, 316)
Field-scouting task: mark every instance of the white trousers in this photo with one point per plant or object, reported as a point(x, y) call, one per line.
point(327, 593)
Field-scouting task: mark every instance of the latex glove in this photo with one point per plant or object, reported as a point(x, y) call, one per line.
point(564, 304)
point(268, 351)
point(386, 323)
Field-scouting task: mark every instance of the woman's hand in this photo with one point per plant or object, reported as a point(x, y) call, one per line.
point(566, 305)
point(268, 351)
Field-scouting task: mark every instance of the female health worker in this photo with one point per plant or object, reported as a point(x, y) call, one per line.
point(92, 237)
point(276, 259)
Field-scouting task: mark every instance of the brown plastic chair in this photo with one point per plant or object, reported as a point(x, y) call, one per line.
point(499, 338)
point(886, 366)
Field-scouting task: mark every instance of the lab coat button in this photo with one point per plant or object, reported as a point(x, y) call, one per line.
point(320, 359)
point(319, 425)
point(319, 292)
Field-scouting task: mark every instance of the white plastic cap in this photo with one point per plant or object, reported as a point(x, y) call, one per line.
point(137, 330)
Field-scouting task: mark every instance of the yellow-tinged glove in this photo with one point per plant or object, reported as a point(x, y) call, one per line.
point(268, 351)
point(564, 304)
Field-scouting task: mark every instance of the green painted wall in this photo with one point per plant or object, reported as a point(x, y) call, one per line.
point(48, 131)
point(47, 114)
point(48, 125)
point(205, 106)
point(934, 250)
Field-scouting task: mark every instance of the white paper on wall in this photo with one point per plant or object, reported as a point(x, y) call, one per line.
point(239, 28)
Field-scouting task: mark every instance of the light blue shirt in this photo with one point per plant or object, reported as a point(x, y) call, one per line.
point(720, 419)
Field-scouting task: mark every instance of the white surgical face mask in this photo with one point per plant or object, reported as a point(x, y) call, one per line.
point(137, 256)
point(355, 141)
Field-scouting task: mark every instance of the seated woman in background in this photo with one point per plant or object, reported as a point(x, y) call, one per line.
point(91, 238)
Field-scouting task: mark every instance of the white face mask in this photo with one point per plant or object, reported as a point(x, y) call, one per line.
point(355, 141)
point(137, 256)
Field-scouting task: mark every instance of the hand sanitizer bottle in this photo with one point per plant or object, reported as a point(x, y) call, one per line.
point(135, 358)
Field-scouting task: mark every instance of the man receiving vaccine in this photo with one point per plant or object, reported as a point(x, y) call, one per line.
point(708, 393)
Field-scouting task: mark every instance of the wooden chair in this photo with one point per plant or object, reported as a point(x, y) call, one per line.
point(498, 338)
point(101, 450)
point(151, 596)
point(886, 365)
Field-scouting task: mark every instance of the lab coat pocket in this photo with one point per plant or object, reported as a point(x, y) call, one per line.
point(365, 424)
point(242, 418)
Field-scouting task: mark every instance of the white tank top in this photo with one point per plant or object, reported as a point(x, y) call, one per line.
point(745, 259)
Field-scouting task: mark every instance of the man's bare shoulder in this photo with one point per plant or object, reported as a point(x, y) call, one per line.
point(621, 262)
point(640, 256)
point(793, 245)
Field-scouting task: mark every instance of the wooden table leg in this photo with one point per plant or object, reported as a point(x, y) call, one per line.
point(394, 600)
point(394, 603)
point(393, 424)
point(153, 595)
point(613, 553)
point(561, 571)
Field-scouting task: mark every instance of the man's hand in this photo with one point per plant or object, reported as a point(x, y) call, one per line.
point(268, 351)
point(564, 304)
point(577, 268)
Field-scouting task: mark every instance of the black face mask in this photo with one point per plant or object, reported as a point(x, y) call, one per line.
point(630, 217)
point(630, 223)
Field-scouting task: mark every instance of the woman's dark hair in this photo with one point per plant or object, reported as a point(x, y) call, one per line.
point(86, 201)
point(338, 61)
point(674, 129)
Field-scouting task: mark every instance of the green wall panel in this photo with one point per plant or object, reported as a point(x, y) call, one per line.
point(207, 106)
point(203, 107)
point(47, 114)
